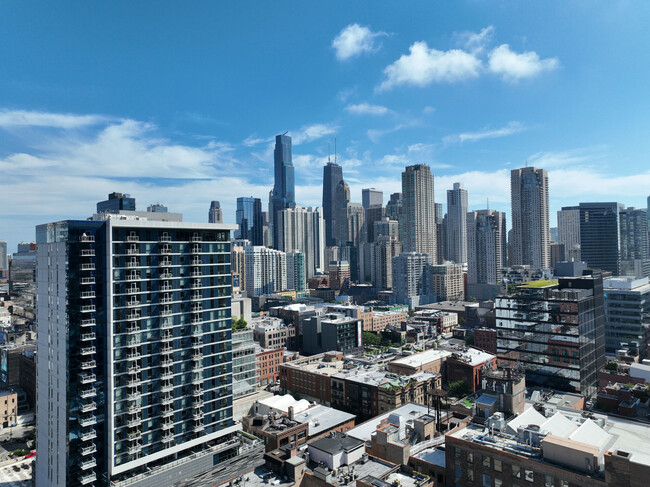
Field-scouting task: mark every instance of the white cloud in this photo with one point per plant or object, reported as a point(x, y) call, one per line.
point(475, 42)
point(24, 118)
point(512, 66)
point(428, 109)
point(367, 109)
point(424, 65)
point(354, 40)
point(312, 132)
point(510, 129)
point(252, 140)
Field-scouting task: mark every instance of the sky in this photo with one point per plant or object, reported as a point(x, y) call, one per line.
point(178, 103)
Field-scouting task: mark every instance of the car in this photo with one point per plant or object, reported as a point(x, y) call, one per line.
point(31, 454)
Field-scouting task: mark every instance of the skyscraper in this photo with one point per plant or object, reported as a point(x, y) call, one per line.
point(249, 220)
point(441, 234)
point(303, 230)
point(133, 321)
point(634, 243)
point(412, 279)
point(284, 195)
point(342, 196)
point(382, 252)
point(530, 225)
point(371, 197)
point(486, 246)
point(600, 235)
point(265, 269)
point(394, 206)
point(215, 215)
point(568, 229)
point(296, 277)
point(332, 176)
point(457, 224)
point(418, 210)
point(4, 262)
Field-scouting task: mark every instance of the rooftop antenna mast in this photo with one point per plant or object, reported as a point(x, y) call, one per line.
point(335, 155)
point(328, 151)
point(488, 203)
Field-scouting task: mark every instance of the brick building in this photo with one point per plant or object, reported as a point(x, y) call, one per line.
point(466, 366)
point(486, 339)
point(269, 361)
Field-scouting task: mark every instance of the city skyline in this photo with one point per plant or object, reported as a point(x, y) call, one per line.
point(472, 127)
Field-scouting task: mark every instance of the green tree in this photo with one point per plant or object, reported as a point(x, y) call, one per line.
point(459, 388)
point(370, 338)
point(612, 367)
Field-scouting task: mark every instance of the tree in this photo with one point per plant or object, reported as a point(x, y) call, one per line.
point(460, 388)
point(239, 324)
point(370, 338)
point(612, 367)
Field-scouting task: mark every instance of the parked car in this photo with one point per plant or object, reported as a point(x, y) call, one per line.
point(31, 454)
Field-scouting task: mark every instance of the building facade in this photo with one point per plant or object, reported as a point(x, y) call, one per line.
point(568, 231)
point(418, 211)
point(249, 220)
point(486, 246)
point(332, 176)
point(457, 224)
point(600, 242)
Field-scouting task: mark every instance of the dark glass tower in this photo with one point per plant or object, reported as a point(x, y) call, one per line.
point(332, 176)
point(284, 194)
point(600, 235)
point(249, 219)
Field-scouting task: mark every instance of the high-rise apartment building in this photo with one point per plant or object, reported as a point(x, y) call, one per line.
point(394, 206)
point(372, 197)
point(457, 224)
point(303, 229)
point(412, 279)
point(244, 373)
point(332, 176)
point(387, 228)
point(418, 210)
point(530, 225)
point(600, 242)
point(486, 246)
point(296, 275)
point(556, 330)
point(568, 228)
point(215, 215)
point(627, 313)
point(133, 327)
point(283, 195)
point(635, 260)
point(382, 252)
point(447, 282)
point(266, 270)
point(248, 217)
point(4, 257)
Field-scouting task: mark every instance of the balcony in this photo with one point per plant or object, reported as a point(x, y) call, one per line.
point(166, 362)
point(133, 263)
point(133, 302)
point(165, 263)
point(168, 438)
point(133, 341)
point(134, 422)
point(198, 428)
point(166, 287)
point(87, 378)
point(133, 394)
point(197, 367)
point(133, 276)
point(88, 308)
point(166, 274)
point(197, 415)
point(133, 381)
point(87, 238)
point(90, 364)
point(195, 249)
point(195, 273)
point(166, 299)
point(197, 391)
point(89, 420)
point(197, 355)
point(134, 448)
point(167, 412)
point(133, 315)
point(196, 307)
point(167, 337)
point(165, 249)
point(196, 320)
point(166, 349)
point(196, 283)
point(88, 478)
point(167, 425)
point(197, 238)
point(196, 295)
point(197, 344)
point(87, 393)
point(166, 323)
point(87, 280)
point(133, 250)
point(133, 238)
point(88, 336)
point(88, 294)
point(167, 387)
point(196, 260)
point(89, 450)
point(135, 355)
point(197, 379)
point(88, 434)
point(133, 369)
point(167, 399)
point(164, 238)
point(134, 435)
point(197, 331)
point(198, 402)
point(88, 350)
point(132, 290)
point(89, 463)
point(88, 407)
point(167, 375)
point(133, 329)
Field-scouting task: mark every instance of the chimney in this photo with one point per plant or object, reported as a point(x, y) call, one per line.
point(291, 413)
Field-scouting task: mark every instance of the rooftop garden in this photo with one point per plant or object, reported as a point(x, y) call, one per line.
point(537, 284)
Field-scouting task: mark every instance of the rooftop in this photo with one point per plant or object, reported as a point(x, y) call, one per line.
point(422, 358)
point(473, 356)
point(409, 412)
point(540, 283)
point(322, 418)
point(336, 443)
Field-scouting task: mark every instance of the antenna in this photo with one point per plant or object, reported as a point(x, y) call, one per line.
point(526, 162)
point(488, 203)
point(328, 151)
point(335, 158)
point(285, 133)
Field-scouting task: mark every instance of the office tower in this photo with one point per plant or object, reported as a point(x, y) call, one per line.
point(331, 254)
point(303, 229)
point(374, 213)
point(486, 246)
point(266, 270)
point(447, 282)
point(372, 197)
point(158, 208)
point(342, 199)
point(238, 265)
point(386, 227)
point(283, 195)
point(568, 229)
point(627, 313)
point(332, 176)
point(349, 253)
point(634, 243)
point(394, 206)
point(4, 259)
point(249, 219)
point(600, 235)
point(412, 279)
point(556, 330)
point(116, 202)
point(133, 326)
point(558, 254)
point(441, 243)
point(530, 226)
point(267, 236)
point(215, 215)
point(355, 215)
point(457, 224)
point(296, 276)
point(244, 367)
point(418, 211)
point(383, 250)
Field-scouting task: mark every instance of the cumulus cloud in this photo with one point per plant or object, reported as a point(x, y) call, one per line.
point(487, 133)
point(355, 40)
point(367, 109)
point(24, 118)
point(252, 140)
point(512, 66)
point(423, 66)
point(312, 132)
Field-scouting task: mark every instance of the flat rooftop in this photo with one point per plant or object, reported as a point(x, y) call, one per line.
point(322, 418)
point(409, 412)
point(419, 359)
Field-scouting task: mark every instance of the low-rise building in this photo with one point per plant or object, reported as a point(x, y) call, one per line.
point(269, 361)
point(486, 339)
point(385, 319)
point(271, 332)
point(427, 361)
point(466, 366)
point(441, 321)
point(8, 408)
point(310, 377)
point(332, 331)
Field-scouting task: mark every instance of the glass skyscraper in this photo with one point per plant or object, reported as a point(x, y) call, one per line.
point(600, 243)
point(332, 176)
point(249, 219)
point(284, 193)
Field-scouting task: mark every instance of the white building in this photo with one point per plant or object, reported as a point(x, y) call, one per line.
point(266, 270)
point(418, 211)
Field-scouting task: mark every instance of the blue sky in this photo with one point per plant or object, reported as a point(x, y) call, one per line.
point(178, 103)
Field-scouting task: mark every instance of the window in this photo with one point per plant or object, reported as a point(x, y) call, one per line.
point(548, 481)
point(470, 475)
point(457, 452)
point(516, 472)
point(487, 480)
point(498, 483)
point(497, 465)
point(486, 461)
point(458, 472)
point(470, 457)
point(529, 476)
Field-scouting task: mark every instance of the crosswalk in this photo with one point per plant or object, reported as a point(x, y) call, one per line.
point(9, 477)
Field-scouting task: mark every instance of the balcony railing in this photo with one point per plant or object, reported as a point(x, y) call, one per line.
point(88, 336)
point(87, 393)
point(132, 238)
point(88, 350)
point(88, 478)
point(87, 280)
point(166, 287)
point(167, 399)
point(164, 238)
point(88, 365)
point(88, 434)
point(88, 407)
point(89, 450)
point(90, 463)
point(87, 253)
point(87, 238)
point(87, 378)
point(87, 420)
point(134, 276)
point(88, 308)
